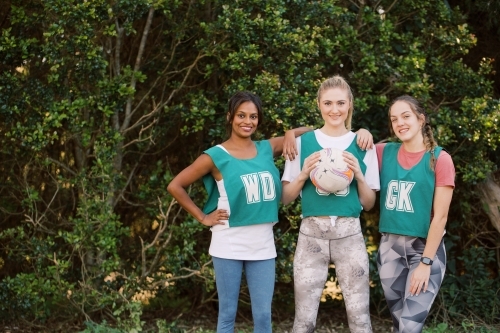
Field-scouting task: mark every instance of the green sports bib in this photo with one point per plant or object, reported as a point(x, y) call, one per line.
point(253, 186)
point(406, 196)
point(344, 203)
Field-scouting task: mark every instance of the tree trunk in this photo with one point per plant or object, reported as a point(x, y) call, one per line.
point(490, 195)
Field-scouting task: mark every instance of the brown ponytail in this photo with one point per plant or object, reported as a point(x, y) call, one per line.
point(430, 142)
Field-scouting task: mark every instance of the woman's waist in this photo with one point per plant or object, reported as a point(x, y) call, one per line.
point(330, 227)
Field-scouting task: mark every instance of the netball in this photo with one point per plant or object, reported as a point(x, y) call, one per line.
point(331, 174)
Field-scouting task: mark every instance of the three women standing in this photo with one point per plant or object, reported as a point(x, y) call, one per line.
point(417, 185)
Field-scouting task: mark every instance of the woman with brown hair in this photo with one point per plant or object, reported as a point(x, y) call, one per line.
point(417, 182)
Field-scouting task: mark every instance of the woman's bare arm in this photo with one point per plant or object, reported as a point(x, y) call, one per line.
point(177, 188)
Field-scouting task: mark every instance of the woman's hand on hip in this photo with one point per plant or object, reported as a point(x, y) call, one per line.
point(215, 217)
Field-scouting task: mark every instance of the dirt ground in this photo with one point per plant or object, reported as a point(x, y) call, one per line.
point(331, 321)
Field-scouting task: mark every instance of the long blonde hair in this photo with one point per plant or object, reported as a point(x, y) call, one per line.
point(338, 81)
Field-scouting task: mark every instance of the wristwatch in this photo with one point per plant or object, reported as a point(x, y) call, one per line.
point(426, 261)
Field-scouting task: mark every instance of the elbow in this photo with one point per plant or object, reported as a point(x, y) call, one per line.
point(440, 221)
point(171, 188)
point(288, 195)
point(285, 197)
point(368, 203)
point(285, 200)
point(368, 206)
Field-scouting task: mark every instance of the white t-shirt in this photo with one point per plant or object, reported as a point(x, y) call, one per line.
point(252, 242)
point(292, 168)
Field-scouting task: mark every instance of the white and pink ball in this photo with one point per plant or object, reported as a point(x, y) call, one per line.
point(331, 173)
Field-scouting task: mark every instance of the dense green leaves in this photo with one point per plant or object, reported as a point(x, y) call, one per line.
point(103, 101)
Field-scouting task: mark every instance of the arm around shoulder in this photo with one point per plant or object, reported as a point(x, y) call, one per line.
point(285, 145)
point(364, 139)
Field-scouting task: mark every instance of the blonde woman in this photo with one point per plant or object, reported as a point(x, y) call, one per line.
point(330, 230)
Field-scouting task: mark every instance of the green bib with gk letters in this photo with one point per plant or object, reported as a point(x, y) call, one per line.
point(406, 196)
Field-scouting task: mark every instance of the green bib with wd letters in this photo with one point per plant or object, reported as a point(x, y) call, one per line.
point(253, 186)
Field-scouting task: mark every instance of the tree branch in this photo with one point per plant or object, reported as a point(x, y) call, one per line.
point(137, 66)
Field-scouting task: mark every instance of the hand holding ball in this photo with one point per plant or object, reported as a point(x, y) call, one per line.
point(331, 174)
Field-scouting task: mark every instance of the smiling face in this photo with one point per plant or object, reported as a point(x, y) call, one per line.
point(245, 120)
point(334, 105)
point(406, 124)
point(241, 104)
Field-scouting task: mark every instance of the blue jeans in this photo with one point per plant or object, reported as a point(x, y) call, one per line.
point(260, 275)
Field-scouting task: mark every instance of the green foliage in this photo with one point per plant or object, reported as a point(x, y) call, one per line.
point(464, 326)
point(473, 286)
point(100, 328)
point(487, 11)
point(440, 328)
point(163, 327)
point(103, 101)
point(471, 326)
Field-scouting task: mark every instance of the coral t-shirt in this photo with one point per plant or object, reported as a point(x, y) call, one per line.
point(444, 169)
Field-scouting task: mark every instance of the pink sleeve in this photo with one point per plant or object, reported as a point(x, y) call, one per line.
point(380, 151)
point(445, 170)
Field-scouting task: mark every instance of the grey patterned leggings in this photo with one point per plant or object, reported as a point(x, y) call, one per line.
point(397, 257)
point(320, 244)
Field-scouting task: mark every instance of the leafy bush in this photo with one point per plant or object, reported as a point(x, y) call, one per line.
point(103, 101)
point(473, 286)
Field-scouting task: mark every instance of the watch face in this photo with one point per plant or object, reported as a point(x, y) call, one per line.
point(426, 261)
